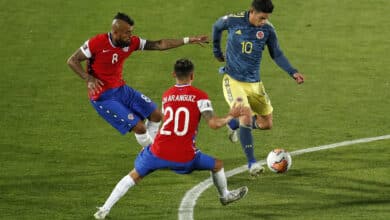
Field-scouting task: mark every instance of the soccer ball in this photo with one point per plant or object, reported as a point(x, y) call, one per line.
point(279, 160)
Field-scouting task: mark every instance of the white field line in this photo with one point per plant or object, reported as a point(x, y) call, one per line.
point(187, 204)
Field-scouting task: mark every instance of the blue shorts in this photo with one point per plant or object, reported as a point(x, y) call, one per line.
point(146, 162)
point(123, 107)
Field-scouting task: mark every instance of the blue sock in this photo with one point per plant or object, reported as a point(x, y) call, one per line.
point(246, 139)
point(233, 124)
point(254, 124)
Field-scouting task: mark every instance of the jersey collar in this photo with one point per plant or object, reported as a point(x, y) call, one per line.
point(110, 39)
point(182, 85)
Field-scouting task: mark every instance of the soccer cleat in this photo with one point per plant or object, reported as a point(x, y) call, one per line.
point(234, 195)
point(232, 134)
point(101, 213)
point(256, 169)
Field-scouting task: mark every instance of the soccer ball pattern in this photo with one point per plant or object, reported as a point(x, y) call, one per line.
point(279, 160)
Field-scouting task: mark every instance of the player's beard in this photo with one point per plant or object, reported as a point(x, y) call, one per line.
point(122, 44)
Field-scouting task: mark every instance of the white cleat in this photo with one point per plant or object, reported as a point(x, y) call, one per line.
point(101, 213)
point(232, 134)
point(234, 195)
point(256, 169)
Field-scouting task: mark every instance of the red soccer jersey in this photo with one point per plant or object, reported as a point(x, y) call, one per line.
point(105, 61)
point(182, 107)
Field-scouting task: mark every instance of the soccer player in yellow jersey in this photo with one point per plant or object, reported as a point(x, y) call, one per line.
point(248, 34)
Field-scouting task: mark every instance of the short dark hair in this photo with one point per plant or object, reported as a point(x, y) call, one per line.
point(124, 17)
point(265, 6)
point(183, 68)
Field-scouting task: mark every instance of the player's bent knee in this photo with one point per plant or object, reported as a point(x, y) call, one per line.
point(266, 126)
point(139, 128)
point(156, 116)
point(246, 116)
point(246, 111)
point(135, 176)
point(218, 165)
point(265, 122)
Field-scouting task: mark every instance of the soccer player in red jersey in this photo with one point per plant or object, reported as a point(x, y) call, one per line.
point(120, 105)
point(174, 147)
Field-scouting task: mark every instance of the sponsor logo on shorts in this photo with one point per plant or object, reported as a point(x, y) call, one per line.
point(228, 89)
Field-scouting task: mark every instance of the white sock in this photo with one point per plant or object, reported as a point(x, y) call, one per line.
point(120, 189)
point(152, 128)
point(220, 182)
point(144, 139)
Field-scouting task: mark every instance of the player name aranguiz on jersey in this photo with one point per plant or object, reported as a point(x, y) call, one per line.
point(183, 98)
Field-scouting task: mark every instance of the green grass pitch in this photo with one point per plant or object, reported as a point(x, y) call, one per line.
point(59, 159)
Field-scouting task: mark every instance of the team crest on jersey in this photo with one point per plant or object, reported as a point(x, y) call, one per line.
point(260, 35)
point(125, 49)
point(130, 116)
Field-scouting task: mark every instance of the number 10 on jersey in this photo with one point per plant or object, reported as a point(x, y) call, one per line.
point(246, 47)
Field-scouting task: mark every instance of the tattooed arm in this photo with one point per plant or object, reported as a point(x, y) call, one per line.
point(165, 44)
point(216, 122)
point(213, 121)
point(74, 62)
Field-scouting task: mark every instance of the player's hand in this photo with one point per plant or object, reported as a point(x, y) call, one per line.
point(237, 110)
point(299, 78)
point(94, 85)
point(201, 39)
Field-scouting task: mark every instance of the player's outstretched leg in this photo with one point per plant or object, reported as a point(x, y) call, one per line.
point(101, 213)
point(119, 191)
point(219, 179)
point(234, 125)
point(256, 169)
point(234, 195)
point(263, 123)
point(246, 140)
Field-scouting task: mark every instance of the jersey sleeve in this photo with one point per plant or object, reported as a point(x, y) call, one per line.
point(85, 49)
point(89, 47)
point(204, 105)
point(219, 26)
point(139, 42)
point(142, 44)
point(277, 54)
